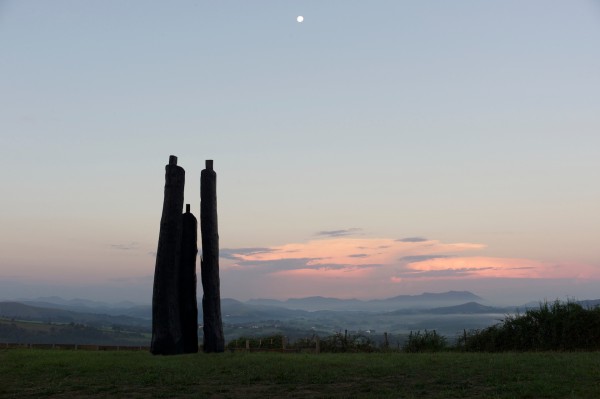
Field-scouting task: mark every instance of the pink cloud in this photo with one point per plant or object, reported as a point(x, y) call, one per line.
point(370, 267)
point(356, 251)
point(486, 267)
point(344, 273)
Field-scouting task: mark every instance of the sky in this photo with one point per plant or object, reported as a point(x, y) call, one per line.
point(376, 149)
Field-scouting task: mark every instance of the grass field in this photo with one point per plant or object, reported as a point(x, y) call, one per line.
point(30, 373)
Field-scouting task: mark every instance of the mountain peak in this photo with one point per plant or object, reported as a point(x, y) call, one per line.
point(448, 295)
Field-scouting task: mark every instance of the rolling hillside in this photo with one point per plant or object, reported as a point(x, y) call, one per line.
point(20, 311)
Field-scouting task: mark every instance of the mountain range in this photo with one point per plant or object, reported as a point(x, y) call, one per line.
point(421, 301)
point(271, 306)
point(447, 312)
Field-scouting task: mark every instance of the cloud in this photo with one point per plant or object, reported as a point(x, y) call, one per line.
point(339, 233)
point(348, 254)
point(337, 272)
point(413, 239)
point(495, 267)
point(358, 255)
point(421, 258)
point(272, 266)
point(126, 247)
point(361, 266)
point(229, 253)
point(462, 272)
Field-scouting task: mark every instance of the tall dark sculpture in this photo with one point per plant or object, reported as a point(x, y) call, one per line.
point(187, 282)
point(211, 300)
point(166, 318)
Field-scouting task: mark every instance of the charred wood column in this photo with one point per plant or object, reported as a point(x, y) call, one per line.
point(166, 318)
point(211, 300)
point(187, 282)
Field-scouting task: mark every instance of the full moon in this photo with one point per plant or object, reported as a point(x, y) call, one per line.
point(300, 18)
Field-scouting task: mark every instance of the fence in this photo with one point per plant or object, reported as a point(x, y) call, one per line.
point(87, 347)
point(82, 347)
point(272, 345)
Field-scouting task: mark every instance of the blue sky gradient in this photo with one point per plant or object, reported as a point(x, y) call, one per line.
point(456, 122)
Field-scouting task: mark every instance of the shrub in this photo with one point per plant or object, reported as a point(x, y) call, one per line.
point(270, 342)
point(347, 343)
point(553, 326)
point(429, 341)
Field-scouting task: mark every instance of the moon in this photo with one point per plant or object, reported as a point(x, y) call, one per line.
point(300, 18)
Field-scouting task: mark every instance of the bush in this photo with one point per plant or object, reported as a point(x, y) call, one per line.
point(553, 326)
point(429, 341)
point(347, 343)
point(271, 342)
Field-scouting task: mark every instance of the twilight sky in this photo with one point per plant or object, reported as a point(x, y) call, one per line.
point(378, 148)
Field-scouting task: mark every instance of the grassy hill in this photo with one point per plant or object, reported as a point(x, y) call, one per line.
point(15, 331)
point(28, 373)
point(20, 311)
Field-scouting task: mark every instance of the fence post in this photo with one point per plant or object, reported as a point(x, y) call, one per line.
point(283, 342)
point(386, 343)
point(247, 344)
point(317, 345)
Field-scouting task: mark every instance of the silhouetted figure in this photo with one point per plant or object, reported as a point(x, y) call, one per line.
point(211, 300)
point(187, 282)
point(166, 319)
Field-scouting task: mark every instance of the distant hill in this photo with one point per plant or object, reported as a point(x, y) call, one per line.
point(589, 303)
point(20, 311)
point(85, 306)
point(312, 303)
point(298, 317)
point(31, 332)
point(467, 308)
point(426, 300)
point(437, 296)
point(422, 301)
point(234, 311)
point(80, 303)
point(316, 310)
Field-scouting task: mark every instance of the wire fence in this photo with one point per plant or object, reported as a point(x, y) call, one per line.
point(82, 347)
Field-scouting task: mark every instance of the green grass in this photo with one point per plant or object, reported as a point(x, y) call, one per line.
point(65, 374)
point(36, 332)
